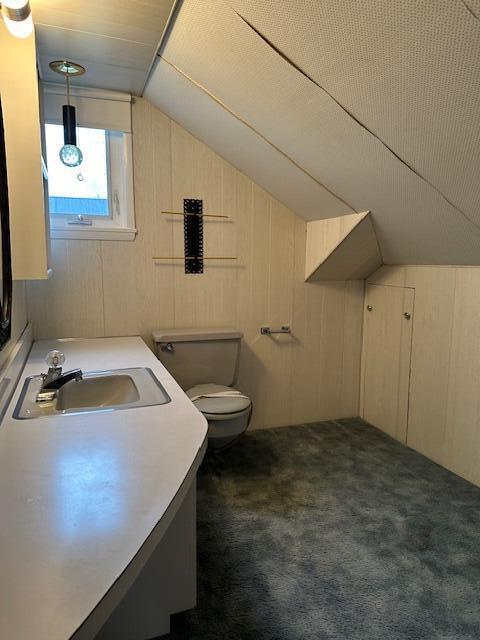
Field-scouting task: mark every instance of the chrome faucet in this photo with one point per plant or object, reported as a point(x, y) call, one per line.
point(54, 379)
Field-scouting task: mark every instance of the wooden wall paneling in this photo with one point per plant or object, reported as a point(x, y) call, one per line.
point(277, 395)
point(249, 364)
point(220, 238)
point(444, 409)
point(139, 292)
point(19, 319)
point(306, 342)
point(323, 236)
point(84, 290)
point(431, 344)
point(259, 349)
point(325, 359)
point(299, 287)
point(162, 302)
point(190, 163)
point(404, 364)
point(261, 260)
point(227, 233)
point(42, 301)
point(462, 437)
point(386, 379)
point(282, 248)
point(331, 348)
point(244, 234)
point(206, 299)
point(352, 347)
point(317, 360)
point(72, 299)
point(19, 310)
point(343, 248)
point(388, 275)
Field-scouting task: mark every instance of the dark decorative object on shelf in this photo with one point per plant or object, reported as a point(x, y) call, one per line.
point(193, 235)
point(6, 263)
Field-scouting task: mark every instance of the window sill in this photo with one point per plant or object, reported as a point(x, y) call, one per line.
point(93, 233)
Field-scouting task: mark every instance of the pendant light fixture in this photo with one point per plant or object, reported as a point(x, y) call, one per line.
point(70, 154)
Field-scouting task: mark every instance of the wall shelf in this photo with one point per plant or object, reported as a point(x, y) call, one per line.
point(342, 248)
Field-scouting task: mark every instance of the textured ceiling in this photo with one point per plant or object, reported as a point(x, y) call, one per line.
point(375, 102)
point(241, 145)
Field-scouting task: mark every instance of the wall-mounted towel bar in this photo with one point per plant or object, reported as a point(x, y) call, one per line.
point(266, 331)
point(202, 215)
point(193, 231)
point(194, 258)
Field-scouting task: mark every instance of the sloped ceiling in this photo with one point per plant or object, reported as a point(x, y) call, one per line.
point(336, 107)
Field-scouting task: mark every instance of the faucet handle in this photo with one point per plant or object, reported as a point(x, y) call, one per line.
point(54, 359)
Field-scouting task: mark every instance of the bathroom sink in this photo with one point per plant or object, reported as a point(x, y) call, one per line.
point(100, 391)
point(96, 391)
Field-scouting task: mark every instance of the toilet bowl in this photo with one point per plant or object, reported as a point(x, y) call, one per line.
point(204, 362)
point(226, 409)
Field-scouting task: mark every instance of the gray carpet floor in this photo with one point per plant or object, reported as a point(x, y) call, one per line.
point(333, 531)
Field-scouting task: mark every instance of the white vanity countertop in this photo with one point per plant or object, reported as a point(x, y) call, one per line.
point(79, 494)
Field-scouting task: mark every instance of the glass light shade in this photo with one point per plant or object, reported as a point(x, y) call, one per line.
point(19, 28)
point(15, 4)
point(70, 155)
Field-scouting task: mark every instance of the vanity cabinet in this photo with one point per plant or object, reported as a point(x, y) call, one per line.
point(19, 94)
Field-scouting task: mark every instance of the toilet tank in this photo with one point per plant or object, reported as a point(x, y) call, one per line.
point(199, 356)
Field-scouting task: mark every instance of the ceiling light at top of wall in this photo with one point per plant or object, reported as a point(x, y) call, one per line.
point(17, 17)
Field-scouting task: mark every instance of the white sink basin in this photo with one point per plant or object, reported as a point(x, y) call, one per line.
point(100, 391)
point(97, 391)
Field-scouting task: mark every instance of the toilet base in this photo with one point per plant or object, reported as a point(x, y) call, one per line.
point(224, 430)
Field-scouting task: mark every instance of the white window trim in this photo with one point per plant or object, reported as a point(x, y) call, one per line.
point(93, 233)
point(121, 224)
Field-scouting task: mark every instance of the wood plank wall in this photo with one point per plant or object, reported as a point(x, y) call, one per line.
point(105, 288)
point(19, 318)
point(444, 404)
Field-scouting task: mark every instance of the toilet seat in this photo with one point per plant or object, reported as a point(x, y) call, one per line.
point(218, 400)
point(227, 411)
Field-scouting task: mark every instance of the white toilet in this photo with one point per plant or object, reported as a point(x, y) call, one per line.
point(204, 362)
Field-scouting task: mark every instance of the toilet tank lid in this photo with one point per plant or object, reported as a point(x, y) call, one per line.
point(193, 335)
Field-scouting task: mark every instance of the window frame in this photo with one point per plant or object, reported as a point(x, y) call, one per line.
point(120, 223)
point(63, 219)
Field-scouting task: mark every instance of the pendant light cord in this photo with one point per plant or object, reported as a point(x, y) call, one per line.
point(68, 88)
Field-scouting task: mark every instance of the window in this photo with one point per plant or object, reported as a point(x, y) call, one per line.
point(95, 199)
point(83, 190)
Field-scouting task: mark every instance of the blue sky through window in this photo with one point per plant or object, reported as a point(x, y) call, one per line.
point(83, 189)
